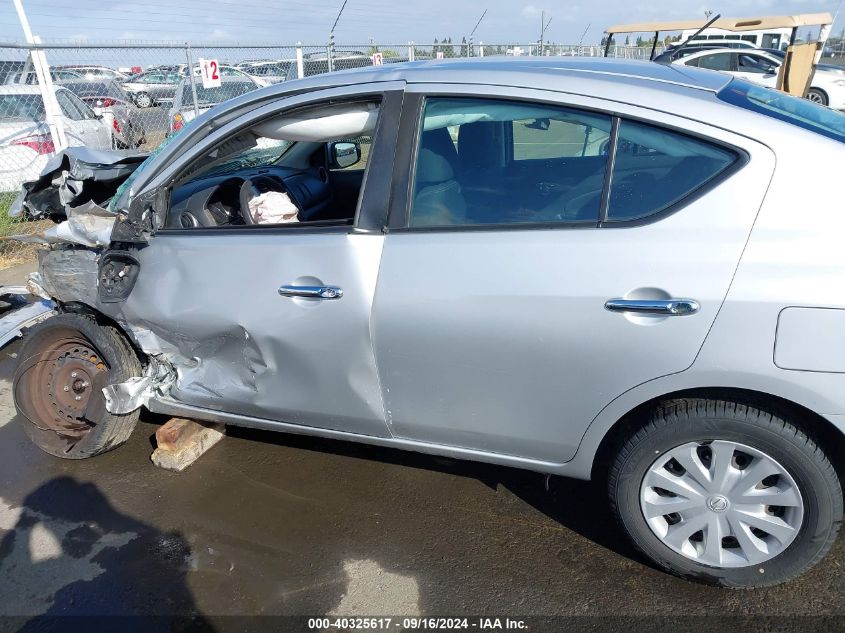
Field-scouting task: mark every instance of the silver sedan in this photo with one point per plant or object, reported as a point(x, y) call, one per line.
point(589, 268)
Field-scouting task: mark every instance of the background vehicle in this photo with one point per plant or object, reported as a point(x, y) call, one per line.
point(767, 38)
point(827, 88)
point(235, 73)
point(31, 78)
point(153, 87)
point(272, 72)
point(182, 109)
point(830, 68)
point(95, 72)
point(108, 100)
point(25, 140)
point(614, 276)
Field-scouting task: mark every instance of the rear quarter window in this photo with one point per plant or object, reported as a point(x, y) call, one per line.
point(655, 169)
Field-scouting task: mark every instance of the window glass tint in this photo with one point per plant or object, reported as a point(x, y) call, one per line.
point(80, 105)
point(655, 168)
point(68, 107)
point(484, 161)
point(551, 138)
point(26, 107)
point(755, 64)
point(784, 107)
point(718, 61)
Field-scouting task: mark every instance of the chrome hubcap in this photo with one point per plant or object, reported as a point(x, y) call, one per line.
point(721, 504)
point(815, 98)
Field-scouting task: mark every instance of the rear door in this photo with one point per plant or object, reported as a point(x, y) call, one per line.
point(491, 323)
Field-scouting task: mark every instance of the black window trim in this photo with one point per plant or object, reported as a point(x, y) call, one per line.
point(406, 163)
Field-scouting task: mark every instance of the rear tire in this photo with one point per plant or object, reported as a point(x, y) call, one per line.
point(817, 96)
point(747, 556)
point(63, 365)
point(143, 100)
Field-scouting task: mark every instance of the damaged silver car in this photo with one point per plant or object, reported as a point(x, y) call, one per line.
point(589, 268)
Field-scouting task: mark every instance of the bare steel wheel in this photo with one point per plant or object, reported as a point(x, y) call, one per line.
point(63, 366)
point(721, 503)
point(62, 383)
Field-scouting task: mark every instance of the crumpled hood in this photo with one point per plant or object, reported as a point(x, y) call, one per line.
point(74, 177)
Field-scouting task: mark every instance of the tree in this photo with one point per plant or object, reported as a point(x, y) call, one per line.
point(627, 40)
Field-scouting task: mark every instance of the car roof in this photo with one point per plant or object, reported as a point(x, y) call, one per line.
point(536, 71)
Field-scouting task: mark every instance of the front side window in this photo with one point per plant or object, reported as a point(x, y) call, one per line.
point(485, 161)
point(275, 172)
point(655, 168)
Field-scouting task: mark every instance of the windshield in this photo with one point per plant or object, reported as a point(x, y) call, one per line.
point(784, 107)
point(267, 151)
point(213, 96)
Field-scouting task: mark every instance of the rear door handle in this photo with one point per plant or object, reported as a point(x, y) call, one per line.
point(311, 292)
point(668, 307)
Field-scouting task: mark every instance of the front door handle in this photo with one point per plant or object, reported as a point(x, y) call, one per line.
point(311, 292)
point(668, 307)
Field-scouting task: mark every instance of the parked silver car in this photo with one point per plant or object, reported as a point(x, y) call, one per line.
point(590, 268)
point(108, 101)
point(152, 87)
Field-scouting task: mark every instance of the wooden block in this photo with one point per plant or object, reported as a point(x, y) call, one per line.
point(181, 442)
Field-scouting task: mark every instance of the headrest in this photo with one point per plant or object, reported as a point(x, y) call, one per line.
point(433, 168)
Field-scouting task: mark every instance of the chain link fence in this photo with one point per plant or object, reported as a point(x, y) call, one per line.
point(129, 95)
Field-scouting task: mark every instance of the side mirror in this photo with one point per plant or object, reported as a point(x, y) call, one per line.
point(343, 155)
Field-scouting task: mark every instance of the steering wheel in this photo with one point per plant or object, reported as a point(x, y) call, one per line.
point(253, 188)
point(247, 193)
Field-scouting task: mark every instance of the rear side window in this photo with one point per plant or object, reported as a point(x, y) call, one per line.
point(25, 107)
point(656, 168)
point(717, 61)
point(783, 107)
point(546, 138)
point(495, 162)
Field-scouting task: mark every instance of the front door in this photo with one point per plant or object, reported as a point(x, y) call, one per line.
point(492, 324)
point(264, 319)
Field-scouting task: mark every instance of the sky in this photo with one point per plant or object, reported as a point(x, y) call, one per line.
point(387, 22)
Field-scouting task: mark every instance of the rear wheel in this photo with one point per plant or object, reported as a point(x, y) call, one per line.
point(726, 494)
point(143, 100)
point(817, 96)
point(63, 366)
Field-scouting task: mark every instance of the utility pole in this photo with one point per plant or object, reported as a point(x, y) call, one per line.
point(45, 82)
point(473, 31)
point(331, 37)
point(543, 28)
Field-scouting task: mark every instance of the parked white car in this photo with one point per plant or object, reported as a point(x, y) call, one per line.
point(759, 67)
point(25, 139)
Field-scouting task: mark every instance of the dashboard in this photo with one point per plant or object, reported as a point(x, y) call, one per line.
point(222, 200)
